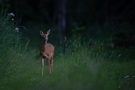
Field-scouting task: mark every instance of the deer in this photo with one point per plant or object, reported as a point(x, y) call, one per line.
point(47, 52)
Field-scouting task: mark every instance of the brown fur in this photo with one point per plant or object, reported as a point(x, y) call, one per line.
point(47, 51)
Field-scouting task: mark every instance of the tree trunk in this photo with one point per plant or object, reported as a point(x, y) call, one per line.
point(62, 20)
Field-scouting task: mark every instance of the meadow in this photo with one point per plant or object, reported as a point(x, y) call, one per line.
point(82, 67)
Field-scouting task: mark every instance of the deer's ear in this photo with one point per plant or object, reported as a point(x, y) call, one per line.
point(41, 33)
point(48, 32)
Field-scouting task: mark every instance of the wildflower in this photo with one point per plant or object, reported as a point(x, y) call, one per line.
point(11, 14)
point(127, 76)
point(12, 19)
point(119, 55)
point(17, 29)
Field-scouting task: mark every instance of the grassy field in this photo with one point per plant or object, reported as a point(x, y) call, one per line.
point(81, 67)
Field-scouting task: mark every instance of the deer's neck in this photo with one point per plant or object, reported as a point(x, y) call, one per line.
point(45, 42)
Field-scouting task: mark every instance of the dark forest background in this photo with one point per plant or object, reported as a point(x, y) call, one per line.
point(94, 44)
point(66, 14)
point(84, 11)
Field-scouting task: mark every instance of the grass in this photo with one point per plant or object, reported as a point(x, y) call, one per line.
point(82, 67)
point(75, 71)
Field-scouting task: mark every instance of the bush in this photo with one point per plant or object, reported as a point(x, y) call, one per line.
point(10, 41)
point(9, 36)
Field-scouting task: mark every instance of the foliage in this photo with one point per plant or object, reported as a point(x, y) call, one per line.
point(10, 40)
point(83, 68)
point(8, 35)
point(88, 65)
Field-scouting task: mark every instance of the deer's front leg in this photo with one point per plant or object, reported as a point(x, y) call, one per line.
point(42, 66)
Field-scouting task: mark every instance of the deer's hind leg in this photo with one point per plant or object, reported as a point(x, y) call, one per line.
point(49, 64)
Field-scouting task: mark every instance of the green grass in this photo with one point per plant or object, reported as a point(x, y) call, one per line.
point(81, 67)
point(78, 70)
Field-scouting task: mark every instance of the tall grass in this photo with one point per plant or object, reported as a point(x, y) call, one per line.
point(10, 41)
point(77, 70)
point(82, 67)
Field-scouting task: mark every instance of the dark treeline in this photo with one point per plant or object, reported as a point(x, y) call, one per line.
point(84, 11)
point(66, 13)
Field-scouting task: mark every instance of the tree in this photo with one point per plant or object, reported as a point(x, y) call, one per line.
point(61, 20)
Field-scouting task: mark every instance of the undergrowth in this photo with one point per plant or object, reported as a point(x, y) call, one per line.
point(89, 66)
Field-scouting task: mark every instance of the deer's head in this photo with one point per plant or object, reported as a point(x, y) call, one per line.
point(45, 36)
